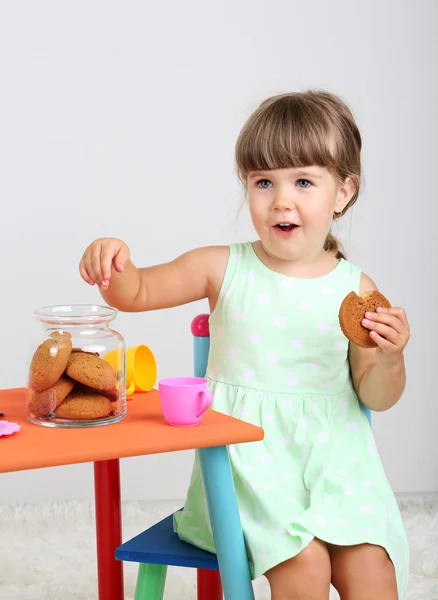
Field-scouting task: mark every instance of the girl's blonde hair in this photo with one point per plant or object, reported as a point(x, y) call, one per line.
point(298, 130)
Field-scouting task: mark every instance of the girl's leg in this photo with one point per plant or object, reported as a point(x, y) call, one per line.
point(363, 572)
point(304, 577)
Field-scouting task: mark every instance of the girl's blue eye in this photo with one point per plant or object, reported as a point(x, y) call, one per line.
point(264, 183)
point(305, 182)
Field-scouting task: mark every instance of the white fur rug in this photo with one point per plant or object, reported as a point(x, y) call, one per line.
point(47, 552)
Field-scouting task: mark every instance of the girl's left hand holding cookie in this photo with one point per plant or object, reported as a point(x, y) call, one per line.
point(389, 328)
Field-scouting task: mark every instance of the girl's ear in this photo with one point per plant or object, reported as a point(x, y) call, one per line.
point(345, 194)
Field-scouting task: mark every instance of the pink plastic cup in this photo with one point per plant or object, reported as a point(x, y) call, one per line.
point(184, 400)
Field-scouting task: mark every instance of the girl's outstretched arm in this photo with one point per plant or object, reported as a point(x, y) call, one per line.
point(192, 276)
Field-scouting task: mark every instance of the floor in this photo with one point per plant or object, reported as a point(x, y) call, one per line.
point(47, 551)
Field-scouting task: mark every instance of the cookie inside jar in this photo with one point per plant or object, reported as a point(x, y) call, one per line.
point(70, 384)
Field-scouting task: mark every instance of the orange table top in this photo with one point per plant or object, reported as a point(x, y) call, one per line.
point(142, 431)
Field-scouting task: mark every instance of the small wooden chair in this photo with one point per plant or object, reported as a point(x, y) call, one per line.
point(159, 547)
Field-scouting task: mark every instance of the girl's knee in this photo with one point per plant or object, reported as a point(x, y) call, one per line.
point(362, 564)
point(378, 564)
point(306, 575)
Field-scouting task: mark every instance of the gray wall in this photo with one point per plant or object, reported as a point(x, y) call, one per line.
point(119, 119)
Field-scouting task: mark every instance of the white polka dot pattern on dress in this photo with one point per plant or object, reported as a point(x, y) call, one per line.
point(248, 374)
point(261, 556)
point(248, 276)
point(372, 448)
point(351, 426)
point(241, 412)
point(238, 314)
point(348, 488)
point(314, 365)
point(291, 499)
point(298, 344)
point(263, 299)
point(280, 321)
point(292, 380)
point(232, 353)
point(272, 359)
point(304, 305)
point(288, 283)
point(323, 327)
point(323, 437)
point(326, 291)
point(254, 336)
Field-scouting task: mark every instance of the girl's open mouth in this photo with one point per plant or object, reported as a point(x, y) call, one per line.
point(286, 229)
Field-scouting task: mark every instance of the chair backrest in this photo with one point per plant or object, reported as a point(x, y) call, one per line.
point(201, 348)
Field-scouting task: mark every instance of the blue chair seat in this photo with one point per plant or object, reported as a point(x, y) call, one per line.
point(160, 546)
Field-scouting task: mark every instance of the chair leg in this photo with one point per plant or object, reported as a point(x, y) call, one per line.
point(227, 531)
point(209, 585)
point(151, 580)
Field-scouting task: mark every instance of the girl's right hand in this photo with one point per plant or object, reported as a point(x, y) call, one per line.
point(99, 258)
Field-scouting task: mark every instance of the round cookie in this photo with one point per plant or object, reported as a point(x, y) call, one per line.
point(82, 407)
point(43, 403)
point(93, 372)
point(49, 361)
point(352, 313)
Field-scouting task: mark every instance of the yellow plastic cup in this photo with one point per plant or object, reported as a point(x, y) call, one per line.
point(141, 368)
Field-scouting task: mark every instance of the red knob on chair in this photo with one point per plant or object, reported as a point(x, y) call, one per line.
point(200, 326)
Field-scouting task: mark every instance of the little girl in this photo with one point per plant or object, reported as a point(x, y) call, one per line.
point(314, 500)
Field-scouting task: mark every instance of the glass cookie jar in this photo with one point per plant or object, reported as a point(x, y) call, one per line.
point(70, 382)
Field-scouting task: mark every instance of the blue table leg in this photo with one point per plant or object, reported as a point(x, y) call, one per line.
point(225, 523)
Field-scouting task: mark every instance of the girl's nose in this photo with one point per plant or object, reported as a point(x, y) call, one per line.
point(283, 201)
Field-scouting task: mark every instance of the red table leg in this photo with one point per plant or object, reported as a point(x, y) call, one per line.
point(209, 585)
point(108, 528)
